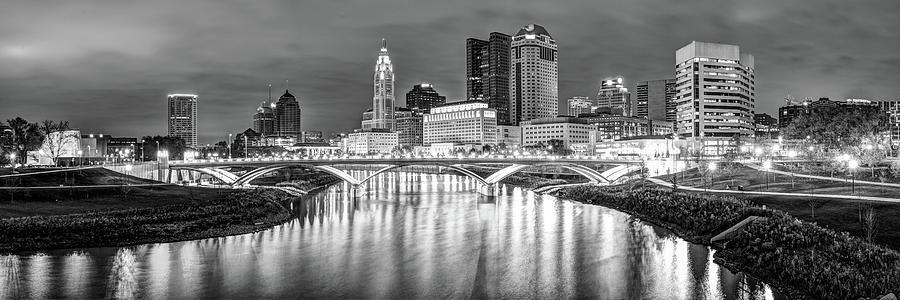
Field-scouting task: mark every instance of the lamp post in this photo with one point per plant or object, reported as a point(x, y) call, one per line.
point(12, 160)
point(767, 165)
point(851, 165)
point(80, 158)
point(712, 169)
point(229, 146)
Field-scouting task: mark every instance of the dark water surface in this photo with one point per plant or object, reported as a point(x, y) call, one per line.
point(411, 236)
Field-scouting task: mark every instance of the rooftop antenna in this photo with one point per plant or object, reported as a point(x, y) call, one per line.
point(270, 93)
point(383, 44)
point(286, 85)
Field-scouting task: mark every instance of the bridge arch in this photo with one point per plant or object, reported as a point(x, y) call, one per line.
point(256, 173)
point(453, 167)
point(222, 175)
point(591, 174)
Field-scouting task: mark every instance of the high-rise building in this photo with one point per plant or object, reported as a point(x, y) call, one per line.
point(579, 105)
point(409, 126)
point(424, 97)
point(264, 119)
point(183, 118)
point(716, 95)
point(466, 122)
point(655, 100)
point(383, 100)
point(487, 73)
point(534, 77)
point(287, 116)
point(614, 96)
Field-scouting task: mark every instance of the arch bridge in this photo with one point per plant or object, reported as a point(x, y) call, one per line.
point(487, 185)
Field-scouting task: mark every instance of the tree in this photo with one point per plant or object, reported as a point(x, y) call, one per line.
point(57, 138)
point(21, 138)
point(174, 145)
point(838, 127)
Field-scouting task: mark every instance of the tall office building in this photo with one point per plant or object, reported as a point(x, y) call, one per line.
point(716, 98)
point(264, 118)
point(409, 127)
point(614, 96)
point(654, 99)
point(183, 118)
point(487, 73)
point(383, 101)
point(534, 77)
point(287, 116)
point(579, 105)
point(424, 97)
point(461, 123)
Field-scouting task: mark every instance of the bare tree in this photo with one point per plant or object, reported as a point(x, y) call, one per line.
point(868, 220)
point(57, 137)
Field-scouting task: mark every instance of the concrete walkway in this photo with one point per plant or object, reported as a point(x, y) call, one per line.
point(760, 168)
point(50, 171)
point(81, 186)
point(849, 197)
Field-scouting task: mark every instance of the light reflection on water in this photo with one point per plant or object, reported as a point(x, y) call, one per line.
point(411, 236)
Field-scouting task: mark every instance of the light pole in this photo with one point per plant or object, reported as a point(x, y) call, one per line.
point(80, 158)
point(792, 154)
point(12, 160)
point(229, 146)
point(712, 169)
point(852, 164)
point(767, 165)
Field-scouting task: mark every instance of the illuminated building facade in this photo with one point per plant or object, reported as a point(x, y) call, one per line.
point(182, 118)
point(487, 73)
point(287, 116)
point(715, 94)
point(579, 105)
point(569, 130)
point(409, 127)
point(375, 141)
point(614, 96)
point(654, 100)
point(423, 96)
point(534, 77)
point(466, 122)
point(264, 119)
point(383, 100)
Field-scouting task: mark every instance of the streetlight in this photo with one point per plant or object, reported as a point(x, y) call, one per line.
point(712, 169)
point(852, 164)
point(12, 160)
point(767, 165)
point(80, 157)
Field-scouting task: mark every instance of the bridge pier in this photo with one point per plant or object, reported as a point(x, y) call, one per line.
point(355, 191)
point(488, 189)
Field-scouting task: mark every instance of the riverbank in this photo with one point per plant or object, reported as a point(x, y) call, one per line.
point(239, 212)
point(801, 259)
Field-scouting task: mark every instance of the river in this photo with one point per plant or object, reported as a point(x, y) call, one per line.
point(410, 235)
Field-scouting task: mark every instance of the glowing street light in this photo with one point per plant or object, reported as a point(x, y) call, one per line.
point(767, 165)
point(852, 164)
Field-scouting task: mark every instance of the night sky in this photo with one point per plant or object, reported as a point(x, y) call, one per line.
point(106, 66)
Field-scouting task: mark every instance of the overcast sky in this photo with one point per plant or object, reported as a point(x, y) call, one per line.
point(106, 66)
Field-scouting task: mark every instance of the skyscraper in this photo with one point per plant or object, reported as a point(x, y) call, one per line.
point(383, 101)
point(409, 127)
point(614, 96)
point(264, 118)
point(487, 72)
point(534, 78)
point(287, 116)
point(718, 98)
point(579, 105)
point(183, 118)
point(655, 100)
point(424, 97)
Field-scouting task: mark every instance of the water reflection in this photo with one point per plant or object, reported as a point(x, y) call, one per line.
point(410, 235)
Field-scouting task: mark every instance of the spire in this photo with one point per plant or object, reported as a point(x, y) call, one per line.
point(270, 93)
point(383, 44)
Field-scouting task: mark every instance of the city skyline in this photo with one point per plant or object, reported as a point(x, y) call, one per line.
point(123, 72)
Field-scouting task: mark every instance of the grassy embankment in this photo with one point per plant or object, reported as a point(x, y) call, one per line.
point(37, 219)
point(836, 214)
point(802, 259)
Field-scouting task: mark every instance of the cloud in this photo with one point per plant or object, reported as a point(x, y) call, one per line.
point(107, 66)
